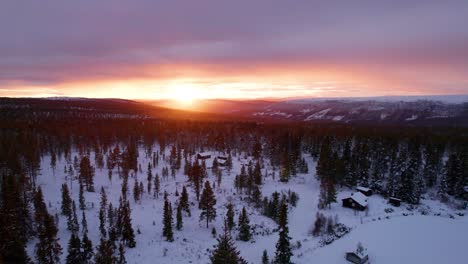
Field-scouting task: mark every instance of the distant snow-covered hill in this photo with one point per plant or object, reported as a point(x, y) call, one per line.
point(396, 112)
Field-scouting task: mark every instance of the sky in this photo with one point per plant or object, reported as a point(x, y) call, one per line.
point(158, 49)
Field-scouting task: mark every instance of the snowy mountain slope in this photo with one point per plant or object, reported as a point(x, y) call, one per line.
point(193, 242)
point(421, 112)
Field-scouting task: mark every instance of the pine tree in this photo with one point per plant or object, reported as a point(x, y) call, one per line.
point(136, 190)
point(66, 201)
point(283, 248)
point(184, 201)
point(226, 252)
point(72, 222)
point(156, 186)
point(75, 255)
point(102, 213)
point(167, 221)
point(87, 173)
point(149, 178)
point(179, 223)
point(87, 247)
point(265, 257)
point(128, 235)
point(230, 217)
point(48, 249)
point(105, 253)
point(121, 259)
point(207, 204)
point(81, 198)
point(244, 226)
point(84, 223)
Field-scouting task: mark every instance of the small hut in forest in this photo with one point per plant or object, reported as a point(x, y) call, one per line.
point(357, 201)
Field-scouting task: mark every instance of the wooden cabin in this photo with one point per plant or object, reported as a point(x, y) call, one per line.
point(203, 155)
point(394, 201)
point(364, 190)
point(356, 259)
point(222, 158)
point(357, 201)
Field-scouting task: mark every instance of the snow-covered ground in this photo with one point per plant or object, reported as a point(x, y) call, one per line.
point(390, 237)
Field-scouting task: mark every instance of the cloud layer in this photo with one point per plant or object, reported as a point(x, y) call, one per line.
point(261, 48)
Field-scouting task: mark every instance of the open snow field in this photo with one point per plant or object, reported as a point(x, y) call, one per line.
point(389, 237)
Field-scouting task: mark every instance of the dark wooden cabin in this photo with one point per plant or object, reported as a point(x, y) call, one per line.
point(203, 155)
point(357, 201)
point(394, 201)
point(355, 258)
point(364, 190)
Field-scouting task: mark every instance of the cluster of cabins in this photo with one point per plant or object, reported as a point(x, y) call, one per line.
point(222, 160)
point(358, 200)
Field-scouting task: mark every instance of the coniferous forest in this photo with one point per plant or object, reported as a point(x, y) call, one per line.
point(139, 156)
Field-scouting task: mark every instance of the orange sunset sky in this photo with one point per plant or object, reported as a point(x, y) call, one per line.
point(232, 49)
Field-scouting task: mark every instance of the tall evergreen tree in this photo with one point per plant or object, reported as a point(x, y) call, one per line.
point(81, 198)
point(179, 220)
point(128, 235)
point(244, 226)
point(230, 217)
point(184, 203)
point(48, 249)
point(102, 213)
point(149, 178)
point(66, 201)
point(226, 252)
point(75, 255)
point(87, 173)
point(87, 247)
point(207, 204)
point(283, 248)
point(156, 186)
point(167, 221)
point(265, 257)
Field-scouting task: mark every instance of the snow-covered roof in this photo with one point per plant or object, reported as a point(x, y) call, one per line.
point(221, 161)
point(364, 189)
point(204, 153)
point(359, 198)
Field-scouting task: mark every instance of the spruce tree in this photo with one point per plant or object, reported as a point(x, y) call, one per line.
point(87, 247)
point(283, 248)
point(226, 252)
point(105, 253)
point(265, 257)
point(136, 190)
point(128, 235)
point(179, 221)
point(81, 199)
point(244, 226)
point(121, 258)
point(207, 204)
point(66, 201)
point(48, 249)
point(156, 186)
point(84, 223)
point(75, 255)
point(149, 178)
point(72, 222)
point(184, 201)
point(167, 221)
point(102, 213)
point(230, 217)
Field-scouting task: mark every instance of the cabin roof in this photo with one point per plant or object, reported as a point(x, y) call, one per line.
point(395, 199)
point(359, 198)
point(364, 189)
point(204, 153)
